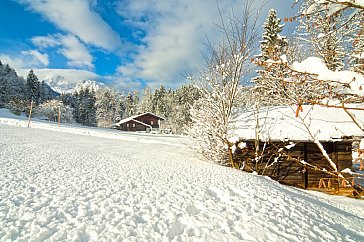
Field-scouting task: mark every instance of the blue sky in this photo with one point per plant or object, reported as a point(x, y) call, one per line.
point(130, 43)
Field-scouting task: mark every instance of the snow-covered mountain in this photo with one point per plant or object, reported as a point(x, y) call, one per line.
point(65, 80)
point(62, 85)
point(94, 85)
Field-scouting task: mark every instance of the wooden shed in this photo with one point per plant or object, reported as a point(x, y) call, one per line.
point(142, 122)
point(288, 145)
point(288, 165)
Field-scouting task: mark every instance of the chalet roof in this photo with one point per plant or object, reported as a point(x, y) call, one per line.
point(281, 123)
point(125, 120)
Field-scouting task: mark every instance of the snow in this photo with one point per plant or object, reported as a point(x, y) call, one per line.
point(361, 144)
point(281, 123)
point(6, 117)
point(315, 65)
point(324, 153)
point(59, 185)
point(291, 145)
point(333, 6)
point(125, 120)
point(347, 170)
point(92, 85)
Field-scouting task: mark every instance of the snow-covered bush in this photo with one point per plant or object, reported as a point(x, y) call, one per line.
point(51, 110)
point(17, 106)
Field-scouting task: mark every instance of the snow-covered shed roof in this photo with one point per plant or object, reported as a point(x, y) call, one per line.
point(125, 120)
point(281, 123)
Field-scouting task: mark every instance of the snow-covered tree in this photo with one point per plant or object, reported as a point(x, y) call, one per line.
point(219, 82)
point(357, 55)
point(334, 22)
point(321, 30)
point(273, 46)
point(12, 87)
point(159, 102)
point(179, 104)
point(33, 87)
point(119, 106)
point(105, 107)
point(52, 108)
point(356, 7)
point(129, 106)
point(86, 107)
point(145, 104)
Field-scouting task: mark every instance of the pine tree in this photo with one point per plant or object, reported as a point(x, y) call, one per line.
point(33, 87)
point(105, 107)
point(12, 88)
point(273, 44)
point(129, 106)
point(43, 92)
point(120, 106)
point(179, 116)
point(4, 85)
point(90, 100)
point(145, 104)
point(268, 85)
point(86, 107)
point(158, 102)
point(70, 99)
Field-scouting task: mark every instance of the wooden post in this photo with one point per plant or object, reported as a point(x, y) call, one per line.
point(30, 112)
point(59, 116)
point(305, 174)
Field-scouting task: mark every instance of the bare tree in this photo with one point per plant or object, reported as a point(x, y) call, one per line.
point(219, 82)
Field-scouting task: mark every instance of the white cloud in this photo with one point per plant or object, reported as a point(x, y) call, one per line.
point(77, 17)
point(45, 41)
point(70, 46)
point(38, 57)
point(175, 34)
point(26, 59)
point(68, 74)
point(14, 62)
point(75, 52)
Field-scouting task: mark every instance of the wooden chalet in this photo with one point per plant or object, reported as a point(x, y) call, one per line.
point(287, 144)
point(146, 122)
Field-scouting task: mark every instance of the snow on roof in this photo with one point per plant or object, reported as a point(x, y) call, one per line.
point(317, 66)
point(137, 121)
point(125, 120)
point(281, 123)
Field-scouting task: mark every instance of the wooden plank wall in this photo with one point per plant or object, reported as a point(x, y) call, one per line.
point(287, 170)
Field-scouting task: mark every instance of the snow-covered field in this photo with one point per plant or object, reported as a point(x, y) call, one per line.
point(63, 186)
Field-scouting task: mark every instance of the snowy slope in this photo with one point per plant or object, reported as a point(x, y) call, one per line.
point(57, 186)
point(6, 117)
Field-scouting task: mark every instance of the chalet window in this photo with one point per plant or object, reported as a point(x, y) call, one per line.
point(151, 122)
point(127, 125)
point(133, 125)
